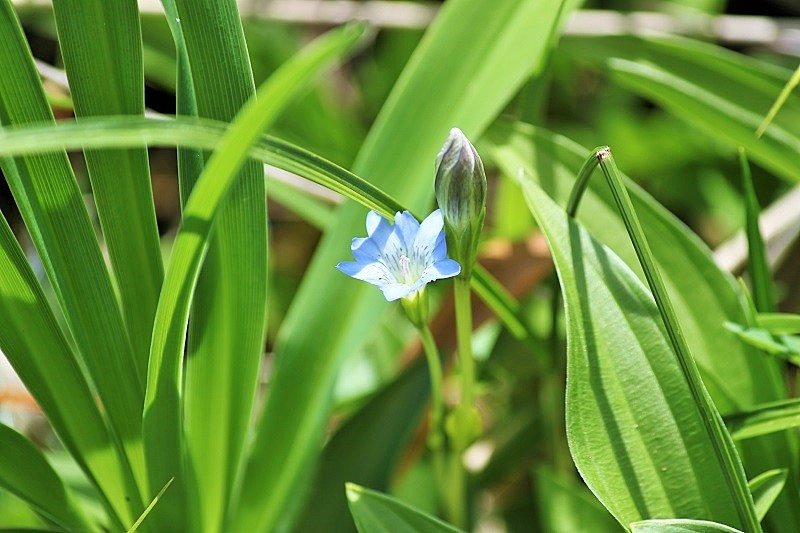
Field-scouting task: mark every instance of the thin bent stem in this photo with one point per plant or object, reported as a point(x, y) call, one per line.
point(436, 432)
point(721, 440)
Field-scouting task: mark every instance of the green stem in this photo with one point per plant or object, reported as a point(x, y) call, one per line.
point(463, 416)
point(436, 431)
point(721, 440)
point(463, 309)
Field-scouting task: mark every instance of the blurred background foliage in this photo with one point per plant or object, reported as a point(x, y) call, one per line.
point(521, 465)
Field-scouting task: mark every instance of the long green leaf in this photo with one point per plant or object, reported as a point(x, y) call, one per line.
point(359, 454)
point(374, 512)
point(722, 93)
point(228, 317)
point(162, 419)
point(680, 525)
point(480, 43)
point(101, 46)
point(764, 419)
point(634, 431)
point(39, 352)
point(757, 262)
point(736, 376)
point(25, 472)
point(52, 206)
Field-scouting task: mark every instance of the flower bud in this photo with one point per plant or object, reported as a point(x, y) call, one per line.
point(461, 195)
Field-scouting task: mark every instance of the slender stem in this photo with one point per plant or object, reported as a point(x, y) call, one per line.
point(463, 309)
point(724, 448)
point(436, 432)
point(463, 415)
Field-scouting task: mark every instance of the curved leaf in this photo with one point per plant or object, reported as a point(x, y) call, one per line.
point(25, 472)
point(766, 488)
point(634, 431)
point(374, 512)
point(679, 525)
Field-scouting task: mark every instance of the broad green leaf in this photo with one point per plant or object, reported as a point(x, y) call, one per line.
point(722, 93)
point(101, 45)
point(680, 525)
point(634, 431)
point(163, 409)
point(52, 207)
point(764, 419)
point(765, 489)
point(480, 44)
point(374, 512)
point(228, 317)
point(737, 377)
point(36, 347)
point(25, 472)
point(359, 453)
point(566, 506)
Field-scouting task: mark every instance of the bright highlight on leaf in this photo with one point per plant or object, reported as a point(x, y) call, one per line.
point(401, 259)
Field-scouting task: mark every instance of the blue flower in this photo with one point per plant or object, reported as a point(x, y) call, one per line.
point(401, 259)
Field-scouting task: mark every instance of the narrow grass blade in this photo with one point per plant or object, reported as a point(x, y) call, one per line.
point(39, 352)
point(373, 511)
point(757, 262)
point(773, 111)
point(149, 508)
point(680, 525)
point(480, 44)
point(101, 45)
point(52, 206)
point(764, 419)
point(765, 489)
point(25, 472)
point(190, 160)
point(162, 420)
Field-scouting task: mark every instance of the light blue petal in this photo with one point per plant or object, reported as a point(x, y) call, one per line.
point(408, 227)
point(446, 268)
point(428, 234)
point(365, 250)
point(374, 273)
point(395, 291)
point(439, 252)
point(378, 228)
